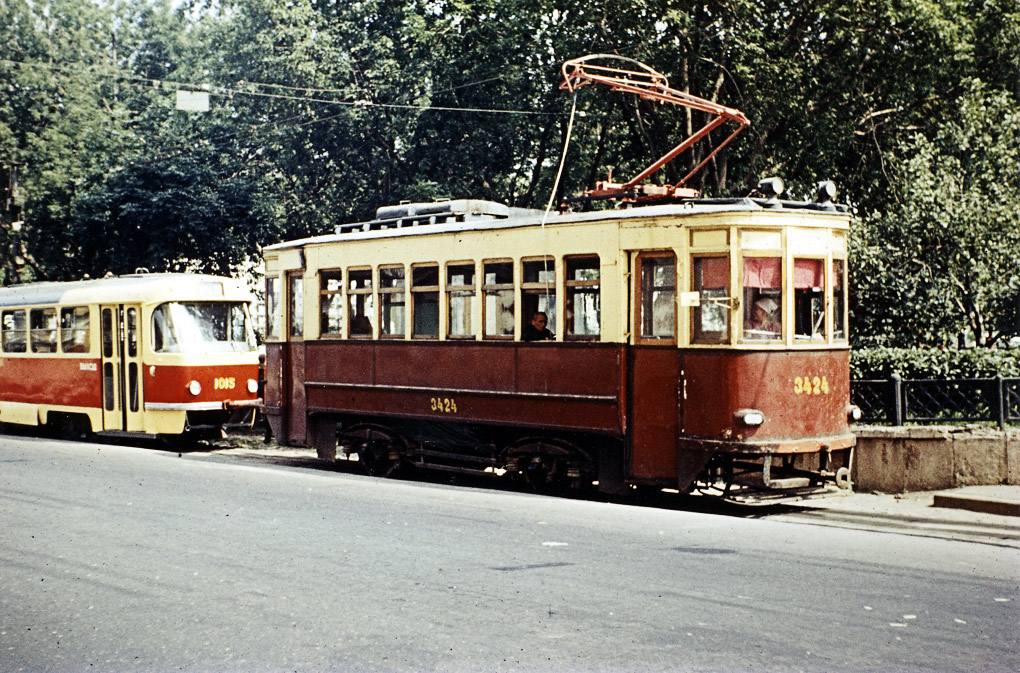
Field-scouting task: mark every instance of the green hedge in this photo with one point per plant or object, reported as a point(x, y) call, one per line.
point(917, 363)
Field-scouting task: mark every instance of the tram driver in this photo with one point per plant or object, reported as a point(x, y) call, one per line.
point(536, 330)
point(764, 319)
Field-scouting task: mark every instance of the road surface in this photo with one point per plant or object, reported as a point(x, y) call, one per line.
point(131, 559)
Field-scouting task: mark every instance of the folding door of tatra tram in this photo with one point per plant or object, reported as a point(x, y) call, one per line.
point(122, 367)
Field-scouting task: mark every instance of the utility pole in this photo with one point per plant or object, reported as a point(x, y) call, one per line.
point(13, 257)
point(10, 197)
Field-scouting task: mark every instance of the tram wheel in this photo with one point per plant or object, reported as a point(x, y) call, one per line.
point(71, 427)
point(549, 465)
point(380, 450)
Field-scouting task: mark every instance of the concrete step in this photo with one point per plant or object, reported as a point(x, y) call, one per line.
point(1001, 500)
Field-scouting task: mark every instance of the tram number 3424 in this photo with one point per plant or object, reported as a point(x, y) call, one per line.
point(811, 385)
point(443, 405)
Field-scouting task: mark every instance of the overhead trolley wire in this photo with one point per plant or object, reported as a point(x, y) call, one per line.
point(216, 90)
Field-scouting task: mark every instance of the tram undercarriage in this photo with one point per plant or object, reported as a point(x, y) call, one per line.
point(754, 479)
point(572, 463)
point(547, 464)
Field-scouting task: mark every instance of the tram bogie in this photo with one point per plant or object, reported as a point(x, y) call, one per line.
point(136, 355)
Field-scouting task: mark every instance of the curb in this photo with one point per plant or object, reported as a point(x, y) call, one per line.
point(977, 504)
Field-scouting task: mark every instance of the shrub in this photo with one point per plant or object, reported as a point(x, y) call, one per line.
point(930, 363)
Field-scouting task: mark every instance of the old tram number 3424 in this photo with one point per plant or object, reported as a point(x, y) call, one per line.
point(689, 343)
point(694, 344)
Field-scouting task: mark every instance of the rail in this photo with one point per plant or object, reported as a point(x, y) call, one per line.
point(897, 401)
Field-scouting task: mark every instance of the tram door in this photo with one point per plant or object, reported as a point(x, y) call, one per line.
point(653, 367)
point(294, 364)
point(122, 367)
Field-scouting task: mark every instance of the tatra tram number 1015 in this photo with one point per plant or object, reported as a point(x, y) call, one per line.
point(137, 355)
point(694, 344)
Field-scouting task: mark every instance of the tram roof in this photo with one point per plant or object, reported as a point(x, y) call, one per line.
point(420, 219)
point(144, 287)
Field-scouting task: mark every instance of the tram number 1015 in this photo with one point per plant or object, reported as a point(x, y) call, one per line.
point(443, 405)
point(224, 383)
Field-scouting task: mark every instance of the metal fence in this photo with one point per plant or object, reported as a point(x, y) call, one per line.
point(898, 401)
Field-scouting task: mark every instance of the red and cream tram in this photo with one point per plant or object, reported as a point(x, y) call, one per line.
point(699, 342)
point(695, 342)
point(145, 354)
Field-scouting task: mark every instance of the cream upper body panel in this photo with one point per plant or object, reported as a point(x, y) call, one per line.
point(731, 229)
point(137, 288)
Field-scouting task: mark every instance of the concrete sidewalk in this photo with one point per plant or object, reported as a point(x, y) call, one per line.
point(981, 514)
point(1000, 501)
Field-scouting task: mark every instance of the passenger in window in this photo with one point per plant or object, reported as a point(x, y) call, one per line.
point(764, 317)
point(361, 326)
point(536, 330)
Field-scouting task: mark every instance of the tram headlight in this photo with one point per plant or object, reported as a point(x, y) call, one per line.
point(853, 413)
point(749, 417)
point(825, 191)
point(195, 388)
point(772, 188)
point(253, 386)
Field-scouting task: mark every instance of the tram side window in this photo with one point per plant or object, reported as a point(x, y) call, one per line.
point(460, 290)
point(361, 304)
point(584, 301)
point(74, 329)
point(108, 336)
point(274, 308)
point(391, 301)
point(238, 317)
point(658, 297)
point(839, 299)
point(809, 299)
point(296, 293)
point(712, 316)
point(331, 303)
point(499, 299)
point(763, 298)
point(42, 324)
point(13, 333)
point(425, 300)
point(131, 332)
point(538, 291)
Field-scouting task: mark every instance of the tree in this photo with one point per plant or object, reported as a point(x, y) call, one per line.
point(184, 216)
point(60, 117)
point(944, 258)
point(322, 111)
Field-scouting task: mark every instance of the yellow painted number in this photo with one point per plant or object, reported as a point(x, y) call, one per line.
point(443, 405)
point(811, 385)
point(224, 383)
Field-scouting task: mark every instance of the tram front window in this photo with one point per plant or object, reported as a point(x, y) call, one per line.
point(712, 316)
point(763, 298)
point(809, 299)
point(201, 327)
point(838, 299)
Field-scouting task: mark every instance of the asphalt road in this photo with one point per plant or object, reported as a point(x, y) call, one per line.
point(129, 559)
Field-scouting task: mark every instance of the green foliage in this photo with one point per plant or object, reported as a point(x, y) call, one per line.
point(933, 363)
point(54, 54)
point(945, 257)
point(322, 111)
point(183, 217)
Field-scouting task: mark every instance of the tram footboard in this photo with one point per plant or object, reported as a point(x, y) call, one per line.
point(760, 477)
